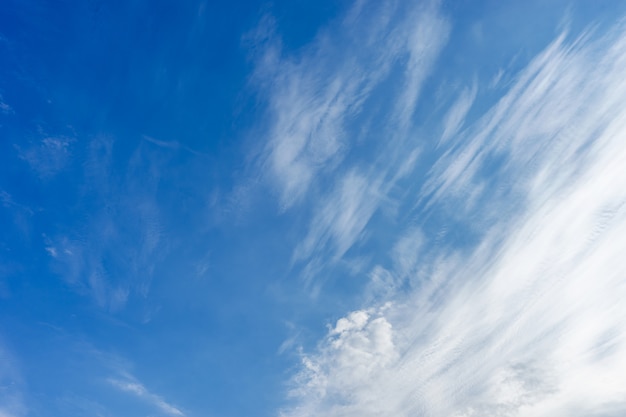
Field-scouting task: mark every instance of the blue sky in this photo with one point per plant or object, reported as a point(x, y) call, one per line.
point(305, 208)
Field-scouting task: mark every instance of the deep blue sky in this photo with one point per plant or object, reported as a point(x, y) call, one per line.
point(305, 208)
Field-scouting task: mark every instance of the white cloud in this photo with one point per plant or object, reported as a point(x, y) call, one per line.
point(364, 70)
point(112, 252)
point(49, 157)
point(455, 117)
point(172, 145)
point(130, 385)
point(342, 217)
point(532, 320)
point(355, 350)
point(406, 252)
point(315, 95)
point(11, 386)
point(4, 107)
point(427, 33)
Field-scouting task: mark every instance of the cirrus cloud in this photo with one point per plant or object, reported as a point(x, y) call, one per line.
point(531, 320)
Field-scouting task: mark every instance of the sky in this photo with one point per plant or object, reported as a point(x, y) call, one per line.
point(299, 208)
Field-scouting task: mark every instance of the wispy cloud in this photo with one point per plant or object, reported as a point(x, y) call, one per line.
point(4, 107)
point(316, 96)
point(173, 145)
point(49, 156)
point(110, 253)
point(342, 217)
point(130, 385)
point(455, 117)
point(531, 320)
point(352, 92)
point(12, 402)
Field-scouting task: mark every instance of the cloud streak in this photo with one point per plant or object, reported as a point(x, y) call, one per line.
point(531, 320)
point(131, 386)
point(314, 97)
point(110, 254)
point(352, 93)
point(12, 402)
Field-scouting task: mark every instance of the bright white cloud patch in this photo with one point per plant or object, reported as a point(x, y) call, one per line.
point(358, 348)
point(532, 321)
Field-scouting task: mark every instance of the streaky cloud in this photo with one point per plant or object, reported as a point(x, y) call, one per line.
point(130, 385)
point(531, 320)
point(313, 96)
point(12, 387)
point(325, 103)
point(4, 107)
point(454, 119)
point(173, 145)
point(111, 255)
